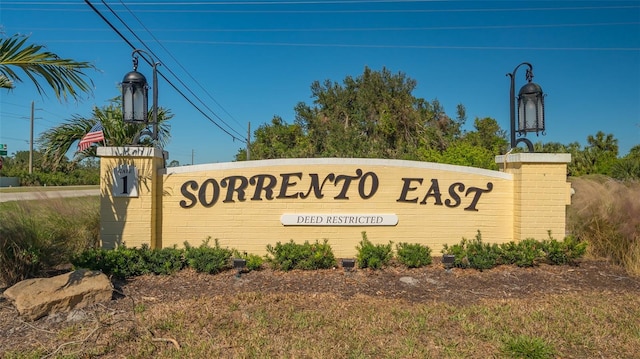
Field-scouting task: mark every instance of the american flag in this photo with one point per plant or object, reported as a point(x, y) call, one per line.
point(95, 134)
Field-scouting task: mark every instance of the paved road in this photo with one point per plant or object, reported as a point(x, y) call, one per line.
point(23, 196)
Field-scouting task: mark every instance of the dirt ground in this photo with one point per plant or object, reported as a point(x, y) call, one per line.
point(433, 283)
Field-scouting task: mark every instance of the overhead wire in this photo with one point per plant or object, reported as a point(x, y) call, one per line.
point(180, 81)
point(354, 29)
point(188, 74)
point(160, 73)
point(320, 3)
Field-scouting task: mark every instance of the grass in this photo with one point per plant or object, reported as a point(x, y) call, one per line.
point(46, 188)
point(39, 235)
point(257, 325)
point(298, 325)
point(606, 214)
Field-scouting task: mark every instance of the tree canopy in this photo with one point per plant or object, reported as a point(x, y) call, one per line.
point(374, 115)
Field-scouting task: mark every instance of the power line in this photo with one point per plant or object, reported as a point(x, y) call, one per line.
point(160, 73)
point(358, 29)
point(318, 11)
point(174, 75)
point(189, 74)
point(246, 43)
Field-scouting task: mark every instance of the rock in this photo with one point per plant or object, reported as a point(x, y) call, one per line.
point(409, 280)
point(35, 298)
point(432, 281)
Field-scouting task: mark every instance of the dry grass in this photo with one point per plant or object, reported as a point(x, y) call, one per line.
point(40, 234)
point(606, 214)
point(292, 325)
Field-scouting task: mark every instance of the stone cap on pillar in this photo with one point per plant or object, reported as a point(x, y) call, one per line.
point(534, 158)
point(131, 151)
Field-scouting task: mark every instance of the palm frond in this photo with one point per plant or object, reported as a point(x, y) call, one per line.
point(56, 142)
point(64, 76)
point(5, 83)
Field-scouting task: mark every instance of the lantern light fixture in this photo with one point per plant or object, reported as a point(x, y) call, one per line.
point(530, 109)
point(135, 93)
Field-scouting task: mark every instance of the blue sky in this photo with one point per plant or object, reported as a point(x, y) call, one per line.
point(246, 61)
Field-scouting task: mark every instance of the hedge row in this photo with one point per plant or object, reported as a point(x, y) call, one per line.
point(126, 262)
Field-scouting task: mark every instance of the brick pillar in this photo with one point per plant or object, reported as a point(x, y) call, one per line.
point(130, 196)
point(541, 193)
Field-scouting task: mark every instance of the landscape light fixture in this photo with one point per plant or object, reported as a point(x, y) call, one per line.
point(239, 264)
point(530, 109)
point(348, 264)
point(135, 98)
point(448, 260)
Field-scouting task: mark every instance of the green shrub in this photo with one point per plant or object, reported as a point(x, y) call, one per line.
point(163, 260)
point(254, 261)
point(121, 262)
point(474, 253)
point(126, 262)
point(373, 256)
point(208, 259)
point(459, 252)
point(482, 255)
point(413, 255)
point(526, 253)
point(94, 259)
point(305, 256)
point(565, 252)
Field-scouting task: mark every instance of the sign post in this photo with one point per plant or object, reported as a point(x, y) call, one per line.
point(3, 149)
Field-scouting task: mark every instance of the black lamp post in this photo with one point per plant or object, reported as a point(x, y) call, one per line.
point(134, 98)
point(530, 108)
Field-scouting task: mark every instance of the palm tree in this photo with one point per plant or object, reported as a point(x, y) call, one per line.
point(64, 76)
point(57, 141)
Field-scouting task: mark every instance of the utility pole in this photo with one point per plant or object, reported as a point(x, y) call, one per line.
point(31, 142)
point(192, 152)
point(249, 142)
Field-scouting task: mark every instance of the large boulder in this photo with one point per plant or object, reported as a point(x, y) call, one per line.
point(35, 298)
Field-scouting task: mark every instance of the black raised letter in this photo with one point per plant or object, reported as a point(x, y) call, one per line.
point(476, 196)
point(286, 183)
point(202, 194)
point(188, 195)
point(315, 185)
point(230, 183)
point(434, 191)
point(347, 182)
point(258, 181)
point(374, 185)
point(454, 195)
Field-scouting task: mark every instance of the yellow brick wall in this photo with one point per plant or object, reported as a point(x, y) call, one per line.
point(528, 198)
point(541, 193)
point(130, 220)
point(251, 225)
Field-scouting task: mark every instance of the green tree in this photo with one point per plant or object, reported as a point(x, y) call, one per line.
point(598, 157)
point(488, 135)
point(57, 141)
point(628, 167)
point(278, 140)
point(64, 76)
point(461, 153)
point(372, 115)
